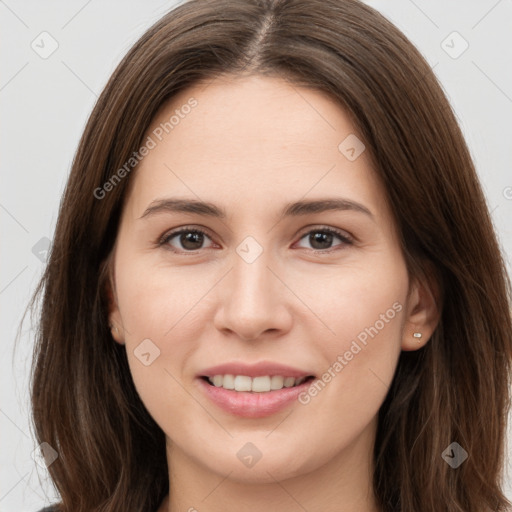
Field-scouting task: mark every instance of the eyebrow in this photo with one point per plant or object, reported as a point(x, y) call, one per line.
point(294, 209)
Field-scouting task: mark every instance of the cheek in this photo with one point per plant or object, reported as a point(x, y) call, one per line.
point(157, 354)
point(365, 310)
point(155, 298)
point(158, 314)
point(356, 302)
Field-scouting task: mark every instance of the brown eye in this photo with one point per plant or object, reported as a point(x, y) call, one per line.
point(188, 239)
point(321, 239)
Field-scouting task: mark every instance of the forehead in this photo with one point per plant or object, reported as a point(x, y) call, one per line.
point(263, 115)
point(252, 140)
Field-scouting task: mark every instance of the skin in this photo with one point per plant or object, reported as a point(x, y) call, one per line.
point(251, 145)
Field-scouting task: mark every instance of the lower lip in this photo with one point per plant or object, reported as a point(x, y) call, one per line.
point(250, 404)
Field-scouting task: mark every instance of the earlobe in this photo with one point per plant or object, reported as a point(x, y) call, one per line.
point(116, 334)
point(116, 326)
point(414, 341)
point(423, 313)
point(114, 316)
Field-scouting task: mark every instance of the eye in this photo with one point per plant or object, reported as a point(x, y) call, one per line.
point(321, 238)
point(190, 239)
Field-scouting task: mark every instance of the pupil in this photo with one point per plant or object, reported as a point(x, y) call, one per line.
point(320, 237)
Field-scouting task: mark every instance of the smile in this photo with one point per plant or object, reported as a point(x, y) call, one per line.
point(261, 384)
point(253, 404)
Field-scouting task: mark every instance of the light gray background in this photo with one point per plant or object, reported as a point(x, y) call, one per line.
point(45, 103)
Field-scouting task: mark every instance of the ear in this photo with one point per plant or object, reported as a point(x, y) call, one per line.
point(114, 315)
point(423, 311)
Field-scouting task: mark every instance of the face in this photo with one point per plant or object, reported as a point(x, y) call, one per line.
point(272, 291)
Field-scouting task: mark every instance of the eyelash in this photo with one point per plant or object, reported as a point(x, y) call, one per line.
point(347, 240)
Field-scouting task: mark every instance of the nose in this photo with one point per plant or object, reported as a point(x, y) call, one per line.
point(253, 301)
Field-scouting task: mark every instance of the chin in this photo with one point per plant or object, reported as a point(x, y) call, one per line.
point(271, 466)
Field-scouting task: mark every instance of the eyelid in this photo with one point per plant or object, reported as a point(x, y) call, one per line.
point(321, 227)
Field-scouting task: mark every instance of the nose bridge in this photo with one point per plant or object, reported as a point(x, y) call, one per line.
point(252, 302)
point(251, 278)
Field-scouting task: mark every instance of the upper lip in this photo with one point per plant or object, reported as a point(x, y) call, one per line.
point(254, 370)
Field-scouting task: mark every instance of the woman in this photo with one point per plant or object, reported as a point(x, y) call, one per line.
point(274, 281)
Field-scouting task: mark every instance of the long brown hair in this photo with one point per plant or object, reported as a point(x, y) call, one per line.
point(455, 389)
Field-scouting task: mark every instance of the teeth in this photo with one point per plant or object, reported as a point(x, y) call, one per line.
point(289, 382)
point(260, 384)
point(257, 384)
point(242, 383)
point(228, 382)
point(276, 382)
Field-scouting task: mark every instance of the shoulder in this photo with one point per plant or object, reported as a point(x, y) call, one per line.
point(51, 508)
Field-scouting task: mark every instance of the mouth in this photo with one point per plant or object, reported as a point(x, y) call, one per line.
point(253, 390)
point(259, 384)
point(253, 397)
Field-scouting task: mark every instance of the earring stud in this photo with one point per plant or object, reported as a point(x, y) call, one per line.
point(417, 335)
